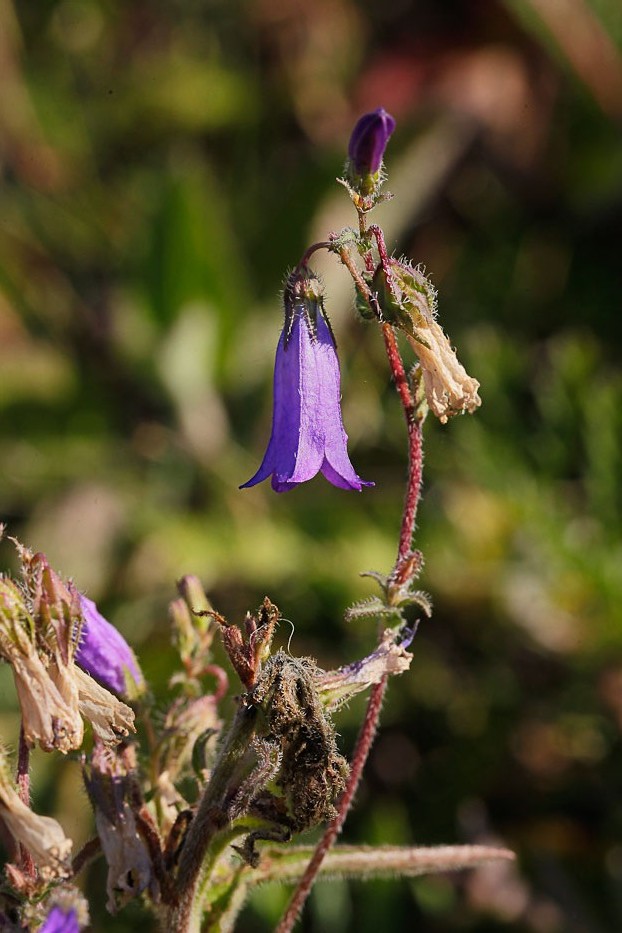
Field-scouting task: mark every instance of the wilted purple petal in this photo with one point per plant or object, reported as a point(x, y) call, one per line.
point(105, 655)
point(369, 140)
point(307, 430)
point(59, 921)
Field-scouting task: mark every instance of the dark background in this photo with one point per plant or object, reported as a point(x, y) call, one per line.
point(161, 165)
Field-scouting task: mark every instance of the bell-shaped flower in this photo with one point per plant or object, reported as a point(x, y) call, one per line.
point(308, 436)
point(104, 654)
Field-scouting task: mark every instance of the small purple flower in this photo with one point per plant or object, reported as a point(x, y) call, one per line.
point(307, 431)
point(60, 921)
point(369, 140)
point(105, 655)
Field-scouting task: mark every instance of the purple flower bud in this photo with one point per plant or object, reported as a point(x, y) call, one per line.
point(307, 430)
point(369, 140)
point(59, 921)
point(105, 655)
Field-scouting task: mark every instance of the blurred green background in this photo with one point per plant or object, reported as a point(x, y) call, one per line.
point(161, 165)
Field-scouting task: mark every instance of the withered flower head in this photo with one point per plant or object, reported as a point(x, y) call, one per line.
point(41, 835)
point(311, 770)
point(41, 620)
point(112, 785)
point(48, 717)
point(111, 719)
point(409, 302)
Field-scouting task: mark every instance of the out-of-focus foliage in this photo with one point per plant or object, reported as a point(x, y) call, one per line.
point(161, 165)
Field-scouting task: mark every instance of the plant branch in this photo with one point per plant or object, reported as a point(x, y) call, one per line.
point(361, 862)
point(23, 789)
point(211, 818)
point(363, 745)
point(308, 253)
point(374, 706)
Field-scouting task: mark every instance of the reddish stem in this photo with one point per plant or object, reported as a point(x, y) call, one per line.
point(363, 745)
point(23, 789)
point(23, 769)
point(374, 705)
point(415, 446)
point(312, 249)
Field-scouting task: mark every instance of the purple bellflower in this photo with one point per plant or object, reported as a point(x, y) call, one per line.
point(369, 140)
point(307, 430)
point(60, 921)
point(105, 655)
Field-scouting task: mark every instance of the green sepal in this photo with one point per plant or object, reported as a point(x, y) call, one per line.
point(391, 307)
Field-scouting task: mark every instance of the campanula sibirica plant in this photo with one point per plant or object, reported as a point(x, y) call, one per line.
point(194, 810)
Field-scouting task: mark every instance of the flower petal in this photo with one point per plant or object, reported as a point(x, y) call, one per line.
point(105, 654)
point(280, 455)
point(313, 367)
point(336, 465)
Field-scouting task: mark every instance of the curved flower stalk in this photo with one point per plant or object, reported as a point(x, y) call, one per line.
point(307, 436)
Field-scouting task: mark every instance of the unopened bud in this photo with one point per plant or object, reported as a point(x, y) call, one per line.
point(366, 149)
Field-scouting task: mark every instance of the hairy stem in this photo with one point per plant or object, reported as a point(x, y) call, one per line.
point(414, 425)
point(308, 253)
point(23, 789)
point(374, 706)
point(363, 745)
point(23, 769)
point(211, 818)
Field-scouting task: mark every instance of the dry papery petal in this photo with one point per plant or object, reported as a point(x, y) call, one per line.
point(110, 779)
point(41, 835)
point(49, 714)
point(46, 717)
point(129, 866)
point(337, 687)
point(448, 388)
point(111, 719)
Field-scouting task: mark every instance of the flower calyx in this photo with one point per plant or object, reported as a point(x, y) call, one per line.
point(249, 647)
